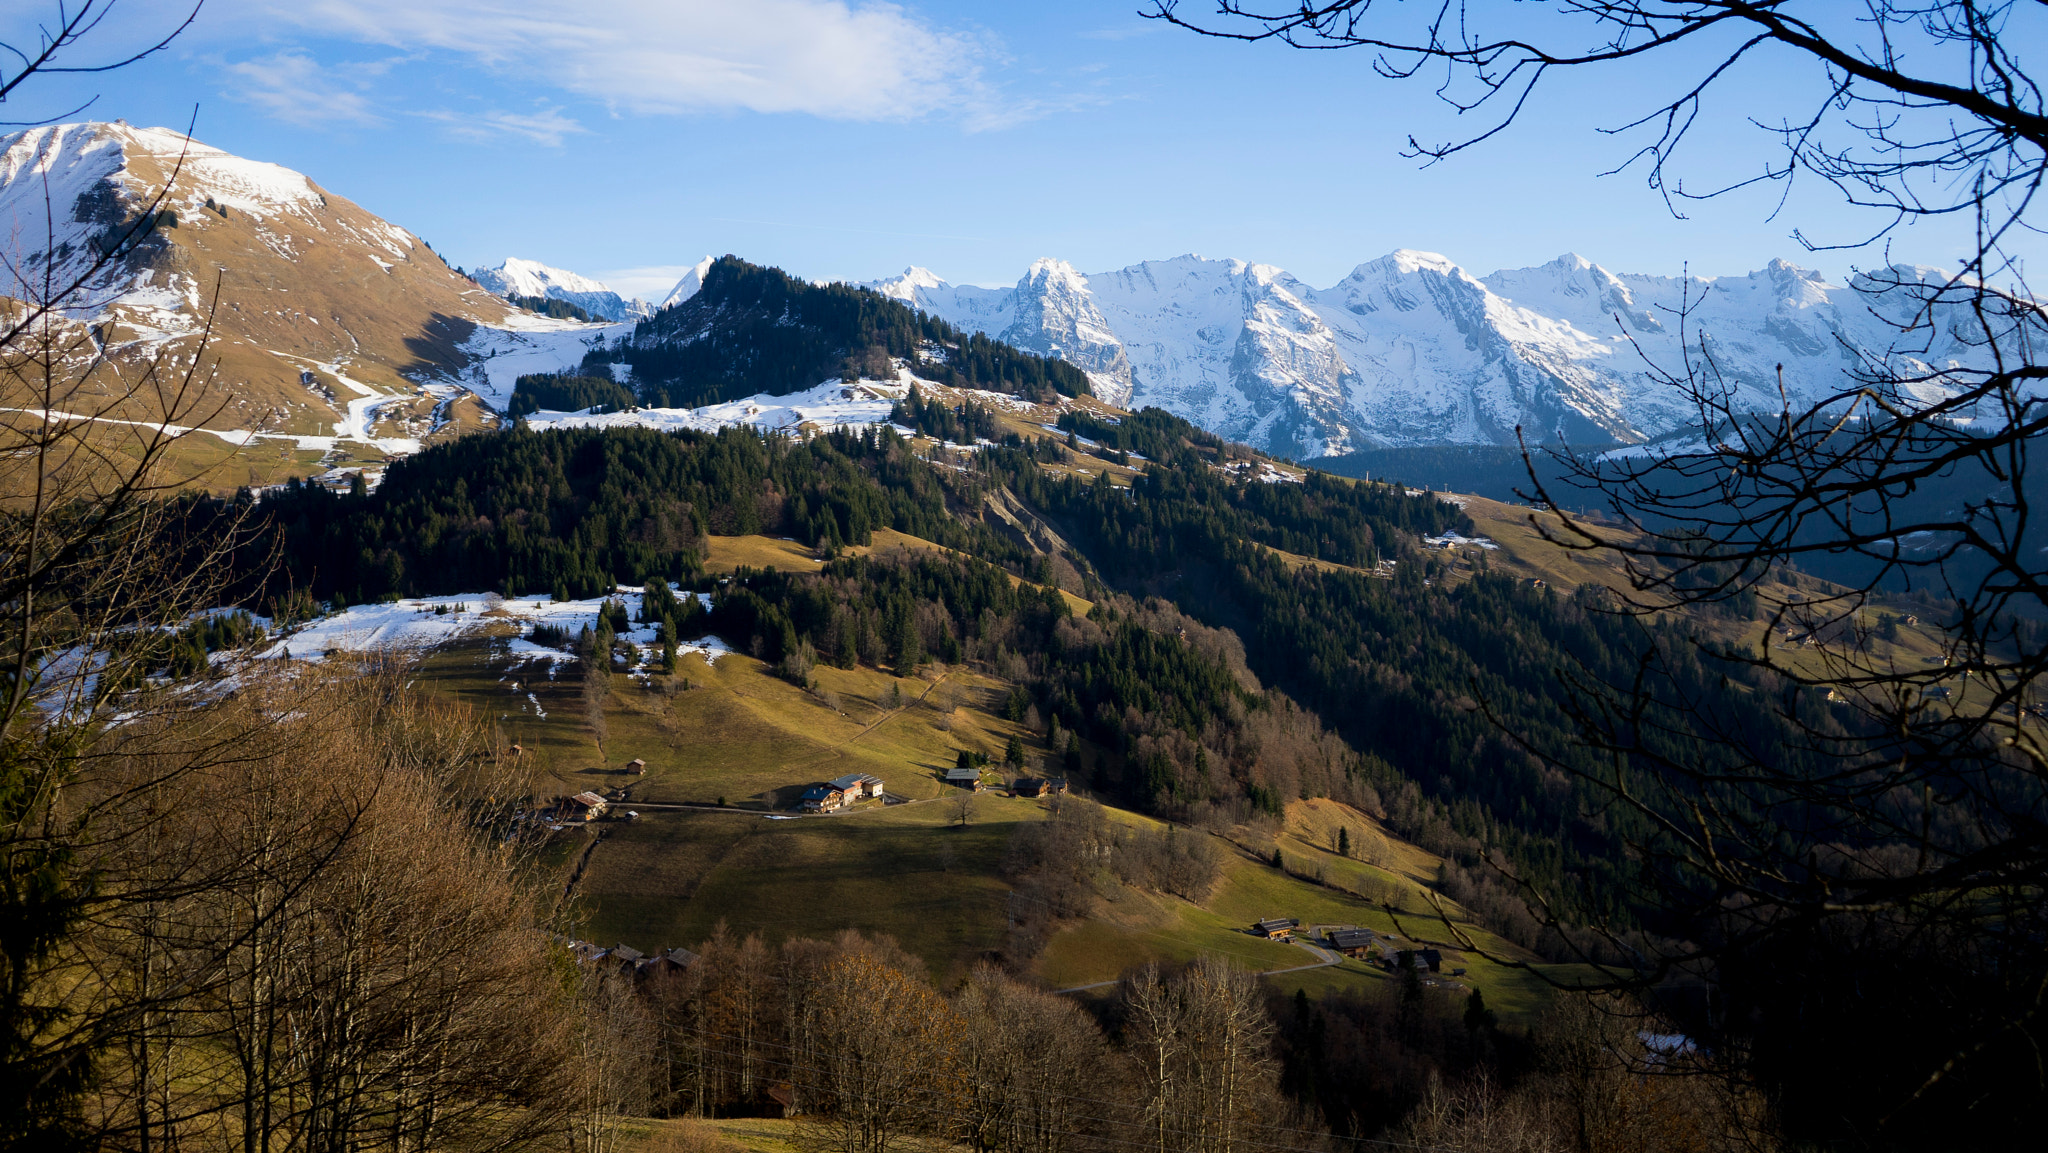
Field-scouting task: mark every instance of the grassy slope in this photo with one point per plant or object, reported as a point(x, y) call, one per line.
point(742, 735)
point(1142, 927)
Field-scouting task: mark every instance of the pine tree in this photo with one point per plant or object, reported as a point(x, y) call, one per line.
point(1343, 842)
point(907, 646)
point(1477, 1015)
point(1013, 753)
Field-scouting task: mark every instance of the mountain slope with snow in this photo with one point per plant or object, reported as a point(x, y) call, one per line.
point(688, 286)
point(321, 331)
point(518, 277)
point(1411, 349)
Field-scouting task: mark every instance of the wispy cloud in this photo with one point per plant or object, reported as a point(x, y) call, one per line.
point(830, 58)
point(1124, 31)
point(545, 127)
point(295, 87)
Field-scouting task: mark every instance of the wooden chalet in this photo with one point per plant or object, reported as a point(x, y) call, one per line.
point(823, 799)
point(1276, 928)
point(1353, 942)
point(965, 778)
point(857, 786)
point(637, 767)
point(1421, 960)
point(1048, 787)
point(585, 806)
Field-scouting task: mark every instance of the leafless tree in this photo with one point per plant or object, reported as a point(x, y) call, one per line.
point(1806, 794)
point(886, 1056)
point(1034, 1069)
point(1202, 1041)
point(92, 568)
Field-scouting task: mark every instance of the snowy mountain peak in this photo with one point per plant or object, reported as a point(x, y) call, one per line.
point(94, 168)
point(687, 287)
point(332, 326)
point(532, 278)
point(907, 288)
point(1047, 270)
point(1410, 260)
point(518, 277)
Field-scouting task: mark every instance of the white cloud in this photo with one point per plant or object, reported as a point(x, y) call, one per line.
point(546, 127)
point(829, 58)
point(297, 88)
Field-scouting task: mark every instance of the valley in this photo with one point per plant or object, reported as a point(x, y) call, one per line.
point(803, 694)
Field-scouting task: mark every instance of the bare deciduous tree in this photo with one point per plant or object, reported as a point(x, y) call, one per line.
point(1202, 1041)
point(1860, 811)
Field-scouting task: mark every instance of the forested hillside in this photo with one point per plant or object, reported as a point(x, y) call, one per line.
point(1221, 679)
point(759, 330)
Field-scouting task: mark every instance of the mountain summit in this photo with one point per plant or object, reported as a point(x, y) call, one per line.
point(337, 335)
point(531, 278)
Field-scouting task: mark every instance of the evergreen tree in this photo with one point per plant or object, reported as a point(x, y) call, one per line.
point(1477, 1015)
point(906, 648)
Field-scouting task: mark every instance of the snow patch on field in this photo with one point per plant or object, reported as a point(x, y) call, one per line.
point(413, 624)
point(833, 404)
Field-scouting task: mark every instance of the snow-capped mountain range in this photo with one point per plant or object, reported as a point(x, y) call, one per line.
point(336, 326)
point(1411, 349)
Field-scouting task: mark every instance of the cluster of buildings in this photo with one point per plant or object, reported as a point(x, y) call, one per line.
point(841, 792)
point(968, 778)
point(1361, 944)
point(631, 961)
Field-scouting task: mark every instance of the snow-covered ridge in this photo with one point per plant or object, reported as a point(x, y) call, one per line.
point(516, 277)
point(689, 284)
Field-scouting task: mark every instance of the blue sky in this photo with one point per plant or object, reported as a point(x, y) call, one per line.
point(847, 141)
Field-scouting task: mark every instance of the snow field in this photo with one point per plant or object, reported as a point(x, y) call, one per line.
point(412, 624)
